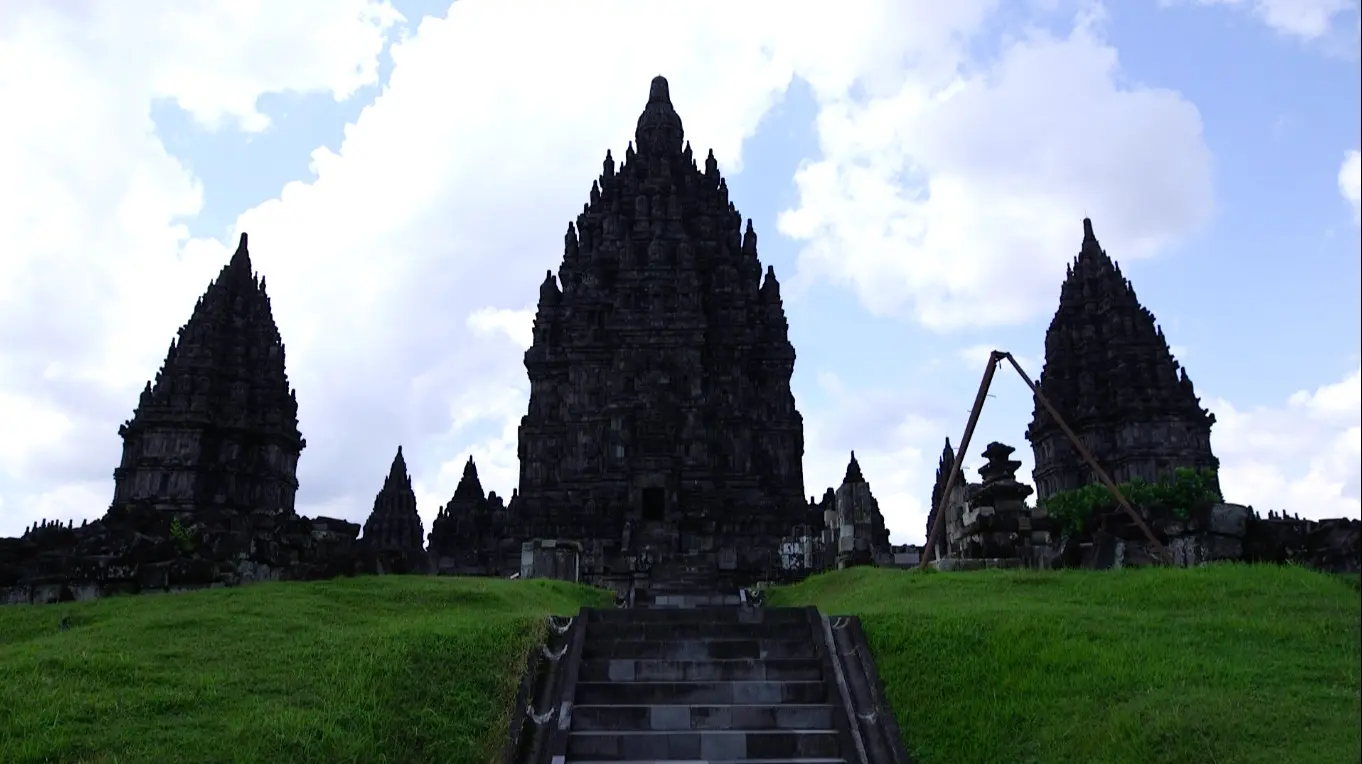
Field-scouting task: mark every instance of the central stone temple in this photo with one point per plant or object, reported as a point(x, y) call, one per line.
point(661, 425)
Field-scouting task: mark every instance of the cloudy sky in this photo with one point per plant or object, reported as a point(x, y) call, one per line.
point(917, 170)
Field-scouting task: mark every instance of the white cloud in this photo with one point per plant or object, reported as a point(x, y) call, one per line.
point(897, 439)
point(399, 273)
point(925, 206)
point(448, 195)
point(1304, 457)
point(515, 325)
point(1350, 182)
point(97, 269)
point(1304, 19)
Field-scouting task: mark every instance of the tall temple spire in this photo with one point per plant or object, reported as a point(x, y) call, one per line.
point(659, 131)
point(853, 471)
point(220, 400)
point(659, 316)
point(394, 524)
point(1109, 371)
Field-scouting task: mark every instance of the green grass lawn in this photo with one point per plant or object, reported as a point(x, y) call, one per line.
point(375, 669)
point(1226, 664)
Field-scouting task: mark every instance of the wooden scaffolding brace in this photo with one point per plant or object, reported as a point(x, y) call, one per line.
point(995, 358)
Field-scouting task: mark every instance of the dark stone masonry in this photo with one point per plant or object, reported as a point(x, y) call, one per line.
point(661, 453)
point(394, 525)
point(660, 410)
point(1109, 371)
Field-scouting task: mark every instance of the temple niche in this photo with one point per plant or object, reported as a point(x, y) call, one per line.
point(218, 428)
point(660, 411)
point(1109, 372)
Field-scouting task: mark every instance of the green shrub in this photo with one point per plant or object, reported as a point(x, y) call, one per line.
point(1185, 491)
point(181, 536)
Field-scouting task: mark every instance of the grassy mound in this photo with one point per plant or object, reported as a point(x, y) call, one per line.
point(1225, 664)
point(376, 669)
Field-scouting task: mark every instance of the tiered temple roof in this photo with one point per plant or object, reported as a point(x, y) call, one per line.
point(394, 523)
point(660, 367)
point(219, 425)
point(1110, 373)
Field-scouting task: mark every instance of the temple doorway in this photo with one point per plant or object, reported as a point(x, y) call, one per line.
point(654, 504)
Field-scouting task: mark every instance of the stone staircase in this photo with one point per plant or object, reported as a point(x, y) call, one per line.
point(689, 579)
point(705, 685)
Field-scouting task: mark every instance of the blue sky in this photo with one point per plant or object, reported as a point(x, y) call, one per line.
point(917, 177)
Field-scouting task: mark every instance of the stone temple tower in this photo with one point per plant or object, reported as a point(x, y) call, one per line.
point(219, 426)
point(660, 405)
point(1109, 372)
point(394, 524)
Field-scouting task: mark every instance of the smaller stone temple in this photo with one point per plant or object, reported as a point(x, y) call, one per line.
point(394, 524)
point(1110, 373)
point(845, 529)
point(218, 427)
point(861, 534)
point(467, 536)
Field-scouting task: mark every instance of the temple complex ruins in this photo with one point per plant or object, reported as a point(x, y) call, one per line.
point(661, 448)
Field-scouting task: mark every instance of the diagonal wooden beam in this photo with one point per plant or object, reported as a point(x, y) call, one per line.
point(994, 358)
point(940, 515)
point(1092, 462)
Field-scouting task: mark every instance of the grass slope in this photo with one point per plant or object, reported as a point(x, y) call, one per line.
point(1226, 664)
point(375, 669)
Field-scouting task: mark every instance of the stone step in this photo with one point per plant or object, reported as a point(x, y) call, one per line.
point(754, 692)
point(733, 669)
point(689, 629)
point(705, 745)
point(790, 615)
point(713, 761)
point(686, 601)
point(671, 717)
point(695, 649)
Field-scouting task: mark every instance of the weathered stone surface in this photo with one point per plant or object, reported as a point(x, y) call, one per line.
point(1109, 372)
point(145, 549)
point(860, 529)
point(660, 405)
point(991, 520)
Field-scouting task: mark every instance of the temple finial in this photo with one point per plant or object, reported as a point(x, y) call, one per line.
point(659, 92)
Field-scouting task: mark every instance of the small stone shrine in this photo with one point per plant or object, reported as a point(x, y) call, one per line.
point(861, 535)
point(468, 535)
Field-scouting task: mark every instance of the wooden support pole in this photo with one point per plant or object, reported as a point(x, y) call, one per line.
point(1087, 457)
point(940, 514)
